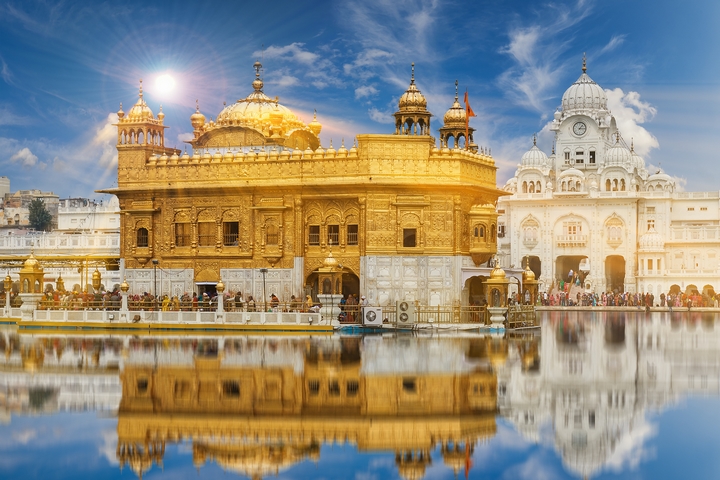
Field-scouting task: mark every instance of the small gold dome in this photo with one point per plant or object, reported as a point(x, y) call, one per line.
point(124, 286)
point(330, 261)
point(315, 126)
point(456, 114)
point(120, 112)
point(140, 111)
point(412, 100)
point(497, 273)
point(160, 115)
point(197, 119)
point(528, 274)
point(220, 287)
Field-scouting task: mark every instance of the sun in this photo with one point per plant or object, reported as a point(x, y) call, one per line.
point(165, 84)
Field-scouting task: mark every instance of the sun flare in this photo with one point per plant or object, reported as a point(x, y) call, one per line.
point(165, 84)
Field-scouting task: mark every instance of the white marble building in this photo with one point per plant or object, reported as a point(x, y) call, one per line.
point(593, 206)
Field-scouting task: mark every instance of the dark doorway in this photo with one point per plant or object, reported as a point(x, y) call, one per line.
point(565, 263)
point(615, 273)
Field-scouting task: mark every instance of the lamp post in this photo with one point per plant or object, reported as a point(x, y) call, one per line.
point(155, 264)
point(264, 271)
point(8, 286)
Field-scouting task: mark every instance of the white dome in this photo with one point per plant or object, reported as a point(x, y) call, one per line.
point(572, 172)
point(651, 240)
point(661, 177)
point(619, 155)
point(534, 158)
point(584, 94)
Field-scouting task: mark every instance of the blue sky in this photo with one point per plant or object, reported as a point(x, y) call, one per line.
point(66, 66)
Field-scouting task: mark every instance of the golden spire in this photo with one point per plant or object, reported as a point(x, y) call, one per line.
point(456, 90)
point(584, 68)
point(257, 83)
point(412, 74)
point(141, 91)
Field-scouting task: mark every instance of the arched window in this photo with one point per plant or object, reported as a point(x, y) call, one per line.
point(537, 186)
point(482, 232)
point(524, 187)
point(622, 185)
point(476, 232)
point(271, 235)
point(532, 187)
point(142, 237)
point(615, 185)
point(607, 185)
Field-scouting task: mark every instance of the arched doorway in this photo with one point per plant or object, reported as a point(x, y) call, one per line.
point(535, 264)
point(615, 273)
point(476, 294)
point(674, 289)
point(565, 263)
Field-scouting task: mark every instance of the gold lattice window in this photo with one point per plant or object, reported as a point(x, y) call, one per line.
point(206, 234)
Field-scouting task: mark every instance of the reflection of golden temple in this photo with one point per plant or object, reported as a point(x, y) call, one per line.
point(260, 420)
point(140, 456)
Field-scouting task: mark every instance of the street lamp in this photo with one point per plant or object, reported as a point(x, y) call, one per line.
point(264, 271)
point(155, 264)
point(8, 286)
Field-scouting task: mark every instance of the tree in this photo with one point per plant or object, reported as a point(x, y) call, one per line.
point(40, 218)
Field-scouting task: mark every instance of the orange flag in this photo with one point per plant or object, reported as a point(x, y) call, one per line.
point(468, 113)
point(468, 109)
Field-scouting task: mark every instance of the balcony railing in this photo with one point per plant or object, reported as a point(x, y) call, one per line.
point(572, 240)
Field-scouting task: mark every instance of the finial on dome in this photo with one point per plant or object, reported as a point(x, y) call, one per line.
point(456, 90)
point(553, 148)
point(412, 74)
point(197, 105)
point(314, 114)
point(342, 143)
point(534, 139)
point(632, 144)
point(584, 69)
point(257, 83)
point(141, 91)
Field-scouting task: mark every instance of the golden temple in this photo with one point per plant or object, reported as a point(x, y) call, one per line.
point(406, 218)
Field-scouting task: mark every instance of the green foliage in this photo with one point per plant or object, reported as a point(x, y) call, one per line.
point(40, 219)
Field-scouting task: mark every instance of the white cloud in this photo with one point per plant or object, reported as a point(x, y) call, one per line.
point(380, 116)
point(630, 112)
point(614, 42)
point(535, 49)
point(24, 437)
point(7, 117)
point(5, 72)
point(294, 52)
point(25, 157)
point(365, 91)
point(285, 81)
point(185, 137)
point(630, 450)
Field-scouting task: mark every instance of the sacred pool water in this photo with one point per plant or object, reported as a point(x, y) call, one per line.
point(588, 395)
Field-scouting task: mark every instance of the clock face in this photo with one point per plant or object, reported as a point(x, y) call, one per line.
point(579, 128)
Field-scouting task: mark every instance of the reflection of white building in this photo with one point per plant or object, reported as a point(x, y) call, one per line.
point(594, 377)
point(593, 206)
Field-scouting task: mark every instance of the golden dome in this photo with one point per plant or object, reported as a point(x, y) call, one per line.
point(528, 275)
point(330, 261)
point(412, 100)
point(140, 112)
point(120, 112)
point(31, 265)
point(197, 119)
point(497, 273)
point(160, 115)
point(456, 115)
point(269, 119)
point(315, 126)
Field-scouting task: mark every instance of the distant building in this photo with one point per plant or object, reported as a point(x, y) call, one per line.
point(593, 208)
point(15, 211)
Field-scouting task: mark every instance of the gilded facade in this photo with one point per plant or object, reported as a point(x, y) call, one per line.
point(403, 216)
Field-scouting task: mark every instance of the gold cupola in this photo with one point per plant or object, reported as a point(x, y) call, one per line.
point(197, 119)
point(412, 117)
point(315, 126)
point(257, 121)
point(140, 112)
point(455, 127)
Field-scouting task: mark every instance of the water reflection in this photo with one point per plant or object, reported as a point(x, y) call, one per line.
point(260, 405)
